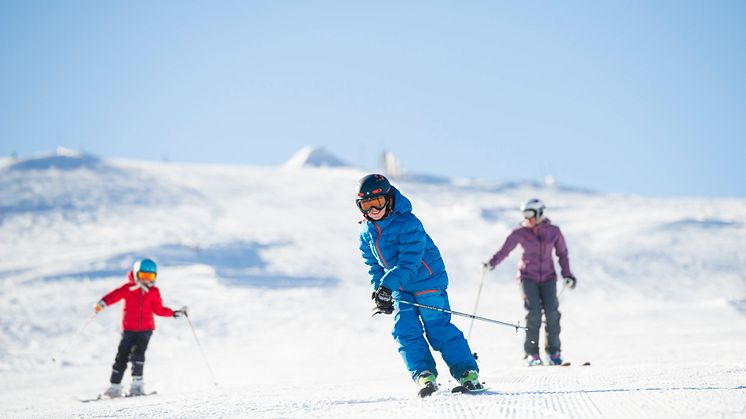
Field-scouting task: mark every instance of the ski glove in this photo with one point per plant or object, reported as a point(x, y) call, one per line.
point(570, 281)
point(384, 301)
point(486, 266)
point(181, 312)
point(99, 306)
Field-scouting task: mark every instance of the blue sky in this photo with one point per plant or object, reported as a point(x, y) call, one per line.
point(634, 97)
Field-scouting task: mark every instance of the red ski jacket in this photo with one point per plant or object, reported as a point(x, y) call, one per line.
point(139, 305)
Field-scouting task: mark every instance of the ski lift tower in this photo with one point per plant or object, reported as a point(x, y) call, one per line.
point(391, 166)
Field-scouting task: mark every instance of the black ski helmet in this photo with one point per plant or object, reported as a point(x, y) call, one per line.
point(373, 185)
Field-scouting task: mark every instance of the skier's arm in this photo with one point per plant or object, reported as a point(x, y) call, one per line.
point(412, 240)
point(510, 243)
point(114, 295)
point(158, 307)
point(560, 248)
point(374, 269)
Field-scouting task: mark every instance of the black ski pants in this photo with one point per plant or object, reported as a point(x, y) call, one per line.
point(131, 348)
point(540, 297)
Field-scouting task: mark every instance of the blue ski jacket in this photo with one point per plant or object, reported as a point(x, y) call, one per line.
point(400, 255)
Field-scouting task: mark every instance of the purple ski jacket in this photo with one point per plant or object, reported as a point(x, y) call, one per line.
point(536, 262)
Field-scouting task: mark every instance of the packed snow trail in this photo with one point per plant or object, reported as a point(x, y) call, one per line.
point(281, 302)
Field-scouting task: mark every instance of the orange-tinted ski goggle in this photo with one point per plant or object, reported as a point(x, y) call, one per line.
point(146, 276)
point(377, 202)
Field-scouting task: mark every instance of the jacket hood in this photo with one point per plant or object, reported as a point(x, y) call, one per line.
point(131, 278)
point(401, 203)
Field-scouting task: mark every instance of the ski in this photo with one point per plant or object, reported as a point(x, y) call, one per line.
point(549, 363)
point(565, 364)
point(94, 399)
point(149, 393)
point(427, 391)
point(102, 396)
point(465, 390)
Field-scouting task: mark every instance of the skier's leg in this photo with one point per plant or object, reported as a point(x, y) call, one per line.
point(123, 354)
point(138, 352)
point(443, 335)
point(532, 303)
point(408, 332)
point(548, 291)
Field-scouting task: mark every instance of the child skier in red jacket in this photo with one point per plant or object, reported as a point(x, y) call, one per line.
point(142, 299)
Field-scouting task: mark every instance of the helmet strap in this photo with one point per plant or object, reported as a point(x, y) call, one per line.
point(390, 202)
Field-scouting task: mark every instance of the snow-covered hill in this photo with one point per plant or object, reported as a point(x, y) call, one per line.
point(267, 261)
point(313, 156)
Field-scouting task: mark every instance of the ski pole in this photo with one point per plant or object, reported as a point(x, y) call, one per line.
point(471, 316)
point(476, 302)
point(72, 338)
point(201, 350)
point(564, 286)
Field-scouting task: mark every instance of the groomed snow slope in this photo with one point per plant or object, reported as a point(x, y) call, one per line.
point(267, 261)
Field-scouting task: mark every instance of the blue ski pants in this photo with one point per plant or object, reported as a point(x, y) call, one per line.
point(409, 325)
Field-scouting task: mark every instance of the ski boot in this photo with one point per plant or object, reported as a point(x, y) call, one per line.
point(426, 381)
point(555, 358)
point(534, 360)
point(137, 388)
point(468, 383)
point(114, 391)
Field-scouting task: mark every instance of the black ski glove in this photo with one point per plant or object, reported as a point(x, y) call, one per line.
point(570, 281)
point(180, 312)
point(384, 301)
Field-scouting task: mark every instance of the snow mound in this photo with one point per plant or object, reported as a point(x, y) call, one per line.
point(62, 159)
point(312, 156)
point(69, 182)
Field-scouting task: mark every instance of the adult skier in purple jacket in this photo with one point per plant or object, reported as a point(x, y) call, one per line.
point(538, 236)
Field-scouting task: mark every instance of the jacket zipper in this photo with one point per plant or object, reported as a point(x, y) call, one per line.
point(378, 249)
point(142, 300)
point(541, 255)
point(427, 267)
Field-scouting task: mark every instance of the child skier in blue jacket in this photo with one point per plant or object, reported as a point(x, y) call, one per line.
point(405, 265)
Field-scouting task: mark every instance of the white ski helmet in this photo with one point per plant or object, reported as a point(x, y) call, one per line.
point(533, 208)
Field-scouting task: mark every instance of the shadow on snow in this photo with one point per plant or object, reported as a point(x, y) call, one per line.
point(705, 224)
point(236, 264)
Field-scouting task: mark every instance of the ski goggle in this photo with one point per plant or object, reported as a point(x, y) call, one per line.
point(146, 276)
point(377, 202)
point(529, 214)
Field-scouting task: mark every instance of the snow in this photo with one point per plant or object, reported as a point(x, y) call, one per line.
point(313, 156)
point(267, 262)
